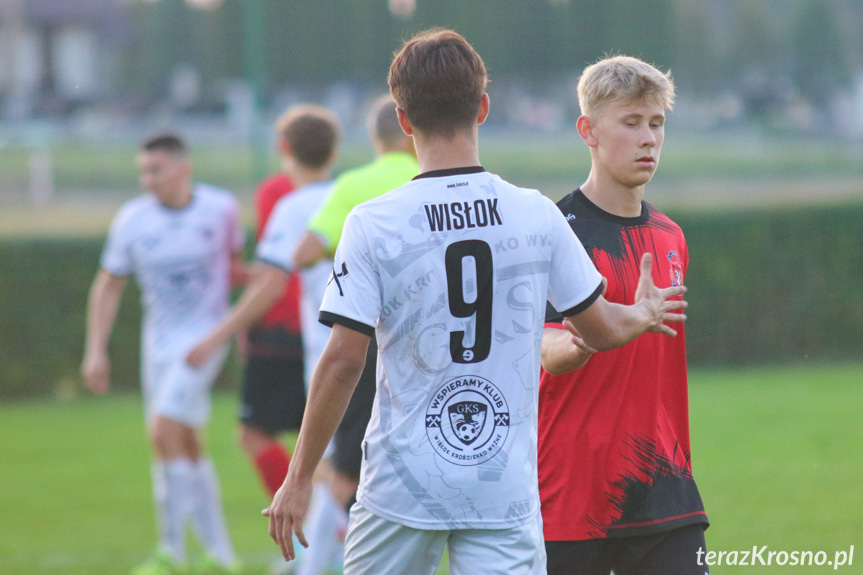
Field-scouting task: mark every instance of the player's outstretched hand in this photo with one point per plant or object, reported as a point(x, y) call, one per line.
point(287, 513)
point(96, 371)
point(199, 354)
point(656, 301)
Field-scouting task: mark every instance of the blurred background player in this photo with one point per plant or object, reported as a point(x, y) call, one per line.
point(309, 138)
point(448, 456)
point(394, 164)
point(614, 461)
point(273, 396)
point(180, 240)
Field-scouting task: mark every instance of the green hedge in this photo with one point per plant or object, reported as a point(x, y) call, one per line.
point(775, 286)
point(764, 287)
point(44, 284)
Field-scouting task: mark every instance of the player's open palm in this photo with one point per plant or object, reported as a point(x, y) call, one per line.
point(656, 301)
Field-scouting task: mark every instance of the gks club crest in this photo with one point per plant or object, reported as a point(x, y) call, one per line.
point(467, 420)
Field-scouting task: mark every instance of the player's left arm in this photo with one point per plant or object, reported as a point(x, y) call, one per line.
point(267, 284)
point(309, 251)
point(333, 383)
point(606, 325)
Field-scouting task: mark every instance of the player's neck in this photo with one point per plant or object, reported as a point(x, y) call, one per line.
point(612, 196)
point(302, 176)
point(179, 198)
point(444, 153)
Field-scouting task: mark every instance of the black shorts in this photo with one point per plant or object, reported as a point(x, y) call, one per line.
point(348, 449)
point(273, 397)
point(674, 551)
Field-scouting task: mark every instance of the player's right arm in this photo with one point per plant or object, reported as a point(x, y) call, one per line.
point(333, 383)
point(606, 325)
point(563, 349)
point(102, 306)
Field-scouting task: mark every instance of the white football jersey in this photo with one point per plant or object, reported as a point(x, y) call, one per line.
point(181, 259)
point(451, 272)
point(283, 232)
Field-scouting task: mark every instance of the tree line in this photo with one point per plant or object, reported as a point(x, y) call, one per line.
point(808, 47)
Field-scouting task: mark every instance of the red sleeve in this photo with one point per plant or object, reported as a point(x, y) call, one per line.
point(269, 192)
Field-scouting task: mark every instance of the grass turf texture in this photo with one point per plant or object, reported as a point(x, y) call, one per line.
point(776, 454)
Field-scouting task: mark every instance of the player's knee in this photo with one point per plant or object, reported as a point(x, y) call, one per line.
point(160, 438)
point(171, 440)
point(253, 440)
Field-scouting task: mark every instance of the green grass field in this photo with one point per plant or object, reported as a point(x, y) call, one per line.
point(777, 454)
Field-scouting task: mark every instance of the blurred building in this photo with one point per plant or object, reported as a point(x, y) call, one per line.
point(56, 55)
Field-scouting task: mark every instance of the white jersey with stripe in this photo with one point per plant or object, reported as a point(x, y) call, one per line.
point(283, 232)
point(451, 273)
point(181, 259)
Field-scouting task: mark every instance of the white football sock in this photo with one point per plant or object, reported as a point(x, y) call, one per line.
point(325, 519)
point(170, 481)
point(208, 519)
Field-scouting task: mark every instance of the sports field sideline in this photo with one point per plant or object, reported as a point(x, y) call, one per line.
point(776, 453)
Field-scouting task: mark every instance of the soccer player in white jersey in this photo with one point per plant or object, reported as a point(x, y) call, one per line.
point(309, 142)
point(450, 273)
point(181, 240)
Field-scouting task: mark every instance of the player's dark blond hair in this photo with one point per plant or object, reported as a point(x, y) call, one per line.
point(626, 80)
point(312, 132)
point(438, 80)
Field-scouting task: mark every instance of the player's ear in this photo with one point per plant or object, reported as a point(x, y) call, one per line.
point(185, 167)
point(586, 130)
point(404, 122)
point(284, 147)
point(333, 157)
point(482, 114)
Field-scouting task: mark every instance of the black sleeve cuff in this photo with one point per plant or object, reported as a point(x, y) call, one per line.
point(328, 319)
point(585, 304)
point(551, 314)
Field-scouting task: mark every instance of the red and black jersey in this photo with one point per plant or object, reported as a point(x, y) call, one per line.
point(614, 455)
point(285, 313)
point(278, 333)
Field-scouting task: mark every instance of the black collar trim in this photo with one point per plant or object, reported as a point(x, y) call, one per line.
point(620, 220)
point(451, 172)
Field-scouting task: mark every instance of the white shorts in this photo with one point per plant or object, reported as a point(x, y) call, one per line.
point(375, 546)
point(175, 390)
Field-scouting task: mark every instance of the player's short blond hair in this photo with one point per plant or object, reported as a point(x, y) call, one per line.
point(623, 79)
point(312, 132)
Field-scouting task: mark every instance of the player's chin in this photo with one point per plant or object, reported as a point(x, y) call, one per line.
point(641, 177)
